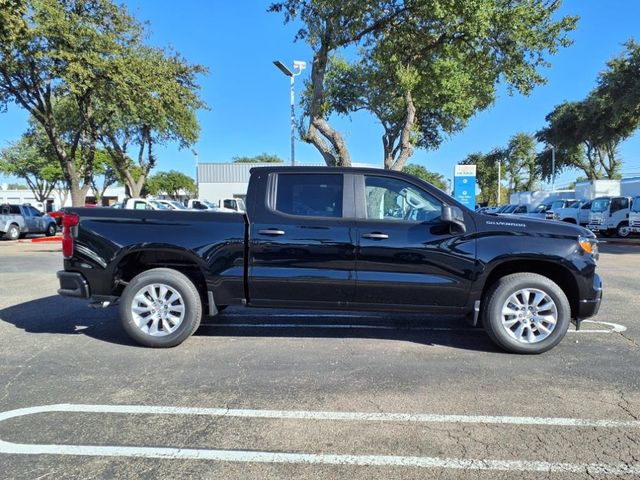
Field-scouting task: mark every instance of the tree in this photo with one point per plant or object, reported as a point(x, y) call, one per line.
point(577, 132)
point(154, 101)
point(262, 158)
point(25, 160)
point(435, 179)
point(17, 186)
point(487, 174)
point(521, 163)
point(172, 183)
point(586, 134)
point(69, 49)
point(103, 169)
point(424, 68)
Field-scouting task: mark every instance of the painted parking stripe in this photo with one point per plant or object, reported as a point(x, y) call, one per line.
point(612, 327)
point(315, 458)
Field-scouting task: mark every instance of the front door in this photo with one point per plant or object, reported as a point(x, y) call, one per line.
point(302, 251)
point(406, 255)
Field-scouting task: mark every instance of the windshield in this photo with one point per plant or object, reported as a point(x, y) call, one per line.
point(209, 204)
point(174, 205)
point(600, 205)
point(509, 209)
point(541, 208)
point(635, 206)
point(575, 204)
point(557, 204)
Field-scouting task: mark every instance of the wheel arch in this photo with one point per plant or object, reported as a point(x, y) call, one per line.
point(555, 272)
point(138, 260)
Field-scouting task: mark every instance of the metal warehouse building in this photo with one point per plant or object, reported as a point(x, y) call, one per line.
point(223, 180)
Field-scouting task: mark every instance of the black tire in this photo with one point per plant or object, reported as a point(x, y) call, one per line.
point(13, 232)
point(622, 230)
point(496, 298)
point(190, 298)
point(51, 230)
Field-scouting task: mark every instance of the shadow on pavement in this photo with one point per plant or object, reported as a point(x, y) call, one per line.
point(64, 316)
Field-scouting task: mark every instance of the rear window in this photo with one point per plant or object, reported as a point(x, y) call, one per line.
point(9, 210)
point(309, 195)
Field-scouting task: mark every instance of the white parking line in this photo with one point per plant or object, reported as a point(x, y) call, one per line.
point(614, 327)
point(313, 458)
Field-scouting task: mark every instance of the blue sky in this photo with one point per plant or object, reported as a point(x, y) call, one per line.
point(249, 97)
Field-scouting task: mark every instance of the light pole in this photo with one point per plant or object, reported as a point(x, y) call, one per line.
point(553, 168)
point(298, 66)
point(499, 165)
point(195, 154)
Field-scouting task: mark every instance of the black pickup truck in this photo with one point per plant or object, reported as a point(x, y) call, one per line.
point(334, 238)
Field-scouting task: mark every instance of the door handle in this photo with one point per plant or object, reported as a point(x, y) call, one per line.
point(271, 231)
point(375, 236)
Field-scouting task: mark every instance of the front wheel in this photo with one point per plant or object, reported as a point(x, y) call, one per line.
point(13, 232)
point(51, 230)
point(526, 313)
point(623, 230)
point(160, 308)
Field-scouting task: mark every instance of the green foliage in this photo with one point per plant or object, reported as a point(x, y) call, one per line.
point(521, 165)
point(487, 174)
point(17, 186)
point(171, 183)
point(262, 158)
point(424, 67)
point(587, 133)
point(435, 179)
point(27, 159)
point(154, 101)
point(80, 68)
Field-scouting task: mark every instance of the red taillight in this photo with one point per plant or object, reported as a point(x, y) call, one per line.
point(69, 220)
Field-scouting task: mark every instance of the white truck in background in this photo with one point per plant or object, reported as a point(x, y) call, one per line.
point(634, 215)
point(610, 215)
point(579, 212)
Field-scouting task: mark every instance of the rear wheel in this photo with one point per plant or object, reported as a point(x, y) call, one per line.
point(13, 232)
point(526, 313)
point(160, 308)
point(51, 230)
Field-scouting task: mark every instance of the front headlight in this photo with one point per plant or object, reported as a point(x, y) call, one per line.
point(589, 245)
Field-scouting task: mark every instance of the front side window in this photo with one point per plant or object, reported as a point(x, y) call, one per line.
point(394, 199)
point(313, 195)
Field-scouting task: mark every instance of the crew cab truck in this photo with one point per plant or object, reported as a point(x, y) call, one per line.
point(16, 221)
point(334, 238)
point(610, 216)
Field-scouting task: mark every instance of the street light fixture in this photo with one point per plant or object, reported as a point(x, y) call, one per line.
point(298, 67)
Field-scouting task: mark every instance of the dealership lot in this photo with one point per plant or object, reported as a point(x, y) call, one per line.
point(296, 394)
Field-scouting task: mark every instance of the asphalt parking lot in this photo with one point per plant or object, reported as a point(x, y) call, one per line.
point(257, 394)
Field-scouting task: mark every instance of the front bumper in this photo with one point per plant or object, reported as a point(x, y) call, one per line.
point(589, 307)
point(73, 284)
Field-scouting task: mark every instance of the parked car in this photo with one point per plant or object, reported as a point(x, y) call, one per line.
point(579, 212)
point(342, 238)
point(610, 216)
point(16, 221)
point(199, 204)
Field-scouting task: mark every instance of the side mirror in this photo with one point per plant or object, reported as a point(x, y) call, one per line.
point(454, 217)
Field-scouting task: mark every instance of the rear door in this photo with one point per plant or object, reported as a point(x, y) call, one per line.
point(301, 249)
point(407, 257)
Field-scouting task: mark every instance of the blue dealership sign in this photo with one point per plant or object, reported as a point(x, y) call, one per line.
point(464, 185)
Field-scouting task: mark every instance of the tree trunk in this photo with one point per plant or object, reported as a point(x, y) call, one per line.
point(396, 158)
point(335, 152)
